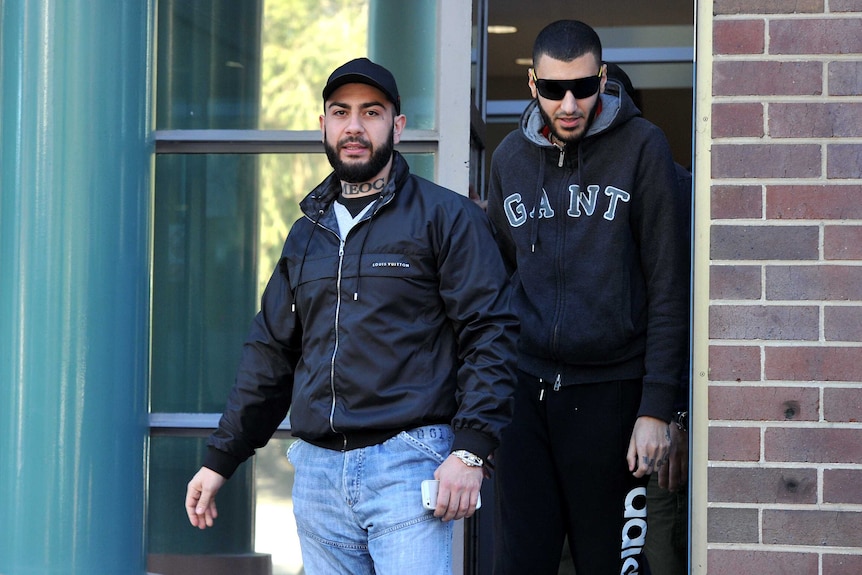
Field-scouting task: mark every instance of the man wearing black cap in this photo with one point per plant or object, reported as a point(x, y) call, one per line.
point(386, 331)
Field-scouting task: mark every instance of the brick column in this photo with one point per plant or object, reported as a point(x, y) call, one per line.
point(785, 288)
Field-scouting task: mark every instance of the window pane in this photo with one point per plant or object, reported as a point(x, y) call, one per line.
point(204, 282)
point(262, 497)
point(275, 527)
point(173, 462)
point(262, 64)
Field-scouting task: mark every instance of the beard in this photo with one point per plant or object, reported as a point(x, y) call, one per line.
point(569, 137)
point(357, 173)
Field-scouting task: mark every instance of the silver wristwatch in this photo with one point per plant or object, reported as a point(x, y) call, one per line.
point(468, 458)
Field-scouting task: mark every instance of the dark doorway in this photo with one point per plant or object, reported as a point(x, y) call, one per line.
point(652, 41)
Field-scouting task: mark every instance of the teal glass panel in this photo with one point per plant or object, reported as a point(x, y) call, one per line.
point(421, 164)
point(173, 462)
point(204, 284)
point(255, 506)
point(403, 37)
point(75, 230)
point(209, 64)
point(262, 64)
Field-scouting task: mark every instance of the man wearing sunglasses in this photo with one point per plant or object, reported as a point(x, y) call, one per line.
point(583, 196)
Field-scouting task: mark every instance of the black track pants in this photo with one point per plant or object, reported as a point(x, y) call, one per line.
point(561, 470)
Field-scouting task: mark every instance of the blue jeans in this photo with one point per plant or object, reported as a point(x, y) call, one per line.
point(360, 511)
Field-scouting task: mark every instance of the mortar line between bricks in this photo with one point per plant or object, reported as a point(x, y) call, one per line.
point(784, 223)
point(756, 303)
point(772, 16)
point(783, 99)
point(827, 507)
point(795, 303)
point(799, 343)
point(758, 384)
point(783, 424)
point(791, 263)
point(756, 465)
point(767, 140)
point(795, 182)
point(764, 547)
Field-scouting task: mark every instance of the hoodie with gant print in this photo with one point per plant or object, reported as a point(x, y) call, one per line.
point(596, 236)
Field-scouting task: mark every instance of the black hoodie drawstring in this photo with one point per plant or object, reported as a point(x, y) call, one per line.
point(580, 171)
point(320, 213)
point(534, 233)
point(379, 202)
point(359, 258)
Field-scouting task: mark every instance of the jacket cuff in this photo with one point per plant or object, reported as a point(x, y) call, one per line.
point(658, 400)
point(473, 441)
point(222, 463)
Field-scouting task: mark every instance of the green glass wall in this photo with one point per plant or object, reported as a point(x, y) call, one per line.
point(209, 63)
point(204, 284)
point(404, 40)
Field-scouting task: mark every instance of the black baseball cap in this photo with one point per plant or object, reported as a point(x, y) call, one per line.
point(364, 71)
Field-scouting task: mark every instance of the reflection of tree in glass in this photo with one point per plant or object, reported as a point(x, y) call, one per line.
point(284, 181)
point(303, 41)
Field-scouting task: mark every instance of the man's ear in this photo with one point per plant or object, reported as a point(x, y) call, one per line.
point(398, 127)
point(531, 83)
point(322, 128)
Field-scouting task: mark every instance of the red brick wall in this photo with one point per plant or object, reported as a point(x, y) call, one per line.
point(785, 315)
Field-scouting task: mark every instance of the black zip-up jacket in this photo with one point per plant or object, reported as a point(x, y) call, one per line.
point(596, 235)
point(405, 323)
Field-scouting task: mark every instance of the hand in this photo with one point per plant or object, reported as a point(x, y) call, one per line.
point(675, 474)
point(200, 497)
point(459, 489)
point(649, 446)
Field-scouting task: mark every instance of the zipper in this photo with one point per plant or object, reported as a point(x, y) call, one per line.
point(559, 263)
point(557, 385)
point(341, 244)
point(335, 347)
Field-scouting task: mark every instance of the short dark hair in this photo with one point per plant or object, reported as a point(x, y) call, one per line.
point(566, 40)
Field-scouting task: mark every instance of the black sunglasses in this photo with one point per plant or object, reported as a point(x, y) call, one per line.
point(580, 88)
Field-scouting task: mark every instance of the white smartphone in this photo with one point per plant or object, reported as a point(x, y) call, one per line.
point(429, 494)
